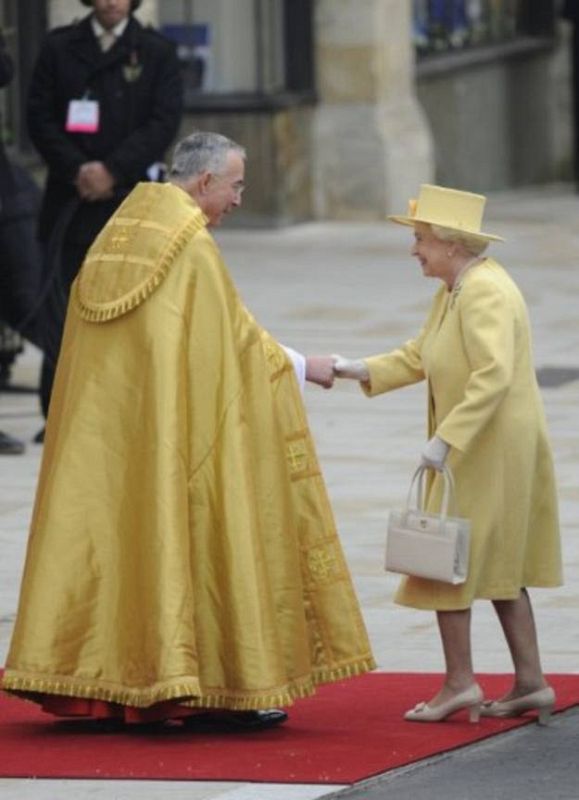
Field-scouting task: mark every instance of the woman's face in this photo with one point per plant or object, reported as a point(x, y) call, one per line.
point(431, 252)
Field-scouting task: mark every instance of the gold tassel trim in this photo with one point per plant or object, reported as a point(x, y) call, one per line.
point(104, 312)
point(188, 692)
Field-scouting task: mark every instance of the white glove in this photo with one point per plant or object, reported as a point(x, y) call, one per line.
point(434, 453)
point(349, 368)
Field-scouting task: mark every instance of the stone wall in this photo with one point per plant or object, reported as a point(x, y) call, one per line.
point(279, 161)
point(504, 121)
point(495, 123)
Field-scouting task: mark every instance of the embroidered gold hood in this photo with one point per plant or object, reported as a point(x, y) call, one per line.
point(145, 235)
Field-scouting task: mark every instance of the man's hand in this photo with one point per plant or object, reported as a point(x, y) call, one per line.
point(320, 370)
point(434, 453)
point(94, 181)
point(355, 369)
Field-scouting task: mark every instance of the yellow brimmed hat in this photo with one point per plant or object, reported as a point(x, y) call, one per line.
point(449, 208)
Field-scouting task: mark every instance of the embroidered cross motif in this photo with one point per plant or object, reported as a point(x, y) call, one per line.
point(297, 456)
point(322, 564)
point(118, 241)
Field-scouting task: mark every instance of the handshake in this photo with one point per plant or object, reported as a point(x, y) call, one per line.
point(324, 369)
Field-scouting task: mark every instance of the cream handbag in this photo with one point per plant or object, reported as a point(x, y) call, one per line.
point(427, 545)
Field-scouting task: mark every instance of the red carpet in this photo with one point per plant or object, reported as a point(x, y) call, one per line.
point(347, 732)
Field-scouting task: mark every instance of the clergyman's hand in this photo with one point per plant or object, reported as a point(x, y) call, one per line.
point(320, 370)
point(355, 369)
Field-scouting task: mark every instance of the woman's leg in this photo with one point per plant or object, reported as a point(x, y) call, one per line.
point(454, 627)
point(518, 624)
point(460, 690)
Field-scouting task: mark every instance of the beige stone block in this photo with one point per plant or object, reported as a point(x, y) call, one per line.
point(363, 22)
point(369, 159)
point(408, 151)
point(364, 49)
point(344, 23)
point(347, 74)
point(349, 164)
point(362, 74)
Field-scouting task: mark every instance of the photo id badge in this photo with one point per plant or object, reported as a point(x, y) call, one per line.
point(83, 116)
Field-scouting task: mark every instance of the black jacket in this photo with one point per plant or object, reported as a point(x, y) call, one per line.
point(570, 10)
point(6, 180)
point(139, 88)
point(20, 261)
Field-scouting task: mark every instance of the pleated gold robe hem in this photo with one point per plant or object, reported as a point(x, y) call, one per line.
point(187, 691)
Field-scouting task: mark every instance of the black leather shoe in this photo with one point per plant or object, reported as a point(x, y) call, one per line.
point(225, 720)
point(9, 446)
point(39, 438)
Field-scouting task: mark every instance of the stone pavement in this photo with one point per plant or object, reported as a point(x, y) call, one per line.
point(352, 288)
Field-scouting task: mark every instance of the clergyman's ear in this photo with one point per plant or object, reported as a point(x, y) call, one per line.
point(204, 181)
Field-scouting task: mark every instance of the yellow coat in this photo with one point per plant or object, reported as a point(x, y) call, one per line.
point(475, 352)
point(182, 544)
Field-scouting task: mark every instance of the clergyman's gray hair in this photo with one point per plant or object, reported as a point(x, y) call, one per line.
point(202, 151)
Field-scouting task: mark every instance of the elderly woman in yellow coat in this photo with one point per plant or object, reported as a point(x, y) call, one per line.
point(486, 422)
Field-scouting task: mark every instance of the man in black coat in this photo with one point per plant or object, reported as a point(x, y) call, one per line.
point(104, 105)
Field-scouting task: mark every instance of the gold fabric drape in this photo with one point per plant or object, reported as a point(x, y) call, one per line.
point(182, 543)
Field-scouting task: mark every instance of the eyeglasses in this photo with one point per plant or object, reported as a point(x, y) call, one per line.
point(237, 186)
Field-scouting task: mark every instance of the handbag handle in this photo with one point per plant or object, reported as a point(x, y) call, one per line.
point(448, 497)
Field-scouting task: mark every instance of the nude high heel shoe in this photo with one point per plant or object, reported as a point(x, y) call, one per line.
point(471, 698)
point(543, 701)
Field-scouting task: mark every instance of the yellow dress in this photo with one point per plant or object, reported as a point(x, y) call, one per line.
point(475, 353)
point(182, 544)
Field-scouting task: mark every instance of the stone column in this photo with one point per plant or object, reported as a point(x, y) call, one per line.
point(373, 144)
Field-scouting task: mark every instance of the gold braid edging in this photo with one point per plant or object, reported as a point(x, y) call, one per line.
point(103, 312)
point(187, 692)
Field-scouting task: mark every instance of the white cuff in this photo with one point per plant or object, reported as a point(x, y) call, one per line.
point(299, 364)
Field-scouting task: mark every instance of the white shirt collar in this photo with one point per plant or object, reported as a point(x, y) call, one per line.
point(118, 30)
